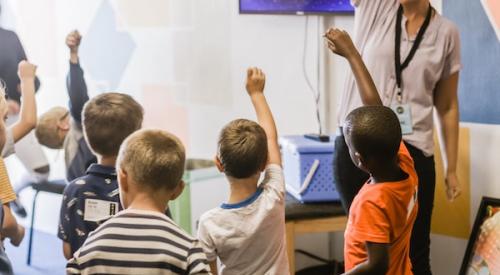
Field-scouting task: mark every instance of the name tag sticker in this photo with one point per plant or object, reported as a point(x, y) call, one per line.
point(403, 112)
point(99, 210)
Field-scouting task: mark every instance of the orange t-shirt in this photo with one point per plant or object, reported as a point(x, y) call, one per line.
point(384, 213)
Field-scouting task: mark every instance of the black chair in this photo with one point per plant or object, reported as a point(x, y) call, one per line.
point(53, 186)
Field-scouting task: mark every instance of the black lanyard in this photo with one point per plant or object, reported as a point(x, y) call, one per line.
point(400, 67)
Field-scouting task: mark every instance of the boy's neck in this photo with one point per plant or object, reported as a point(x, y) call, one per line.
point(107, 161)
point(390, 173)
point(242, 189)
point(144, 201)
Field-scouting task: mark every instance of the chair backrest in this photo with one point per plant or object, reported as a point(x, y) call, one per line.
point(5, 265)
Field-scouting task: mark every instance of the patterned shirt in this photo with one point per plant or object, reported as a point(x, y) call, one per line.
point(139, 242)
point(88, 201)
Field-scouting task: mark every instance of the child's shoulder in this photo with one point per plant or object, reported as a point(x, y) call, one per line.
point(378, 195)
point(146, 220)
point(211, 215)
point(78, 187)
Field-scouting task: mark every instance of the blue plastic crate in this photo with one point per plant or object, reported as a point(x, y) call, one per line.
point(308, 160)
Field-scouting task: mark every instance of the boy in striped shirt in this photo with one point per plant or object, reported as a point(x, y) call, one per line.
point(141, 239)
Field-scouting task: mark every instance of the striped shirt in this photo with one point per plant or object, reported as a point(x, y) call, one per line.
point(139, 242)
point(7, 194)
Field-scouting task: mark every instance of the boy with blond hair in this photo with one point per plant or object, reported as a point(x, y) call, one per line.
point(141, 239)
point(60, 128)
point(247, 233)
point(26, 71)
point(381, 218)
point(9, 228)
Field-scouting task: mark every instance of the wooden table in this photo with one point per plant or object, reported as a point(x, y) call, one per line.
point(310, 218)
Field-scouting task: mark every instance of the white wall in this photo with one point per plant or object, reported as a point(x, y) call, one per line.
point(204, 56)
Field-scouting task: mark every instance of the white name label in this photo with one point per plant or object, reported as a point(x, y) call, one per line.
point(99, 210)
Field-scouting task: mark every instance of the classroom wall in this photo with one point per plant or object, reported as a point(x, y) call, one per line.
point(185, 61)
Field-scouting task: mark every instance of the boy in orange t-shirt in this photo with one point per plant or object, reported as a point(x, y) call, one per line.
point(381, 217)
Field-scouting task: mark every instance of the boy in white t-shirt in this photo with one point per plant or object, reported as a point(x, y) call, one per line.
point(247, 233)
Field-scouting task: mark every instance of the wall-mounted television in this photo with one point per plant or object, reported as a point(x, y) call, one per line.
point(295, 6)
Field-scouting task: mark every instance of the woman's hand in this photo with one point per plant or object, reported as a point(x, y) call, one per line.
point(453, 188)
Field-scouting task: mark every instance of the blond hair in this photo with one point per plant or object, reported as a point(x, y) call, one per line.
point(153, 158)
point(47, 129)
point(108, 119)
point(242, 148)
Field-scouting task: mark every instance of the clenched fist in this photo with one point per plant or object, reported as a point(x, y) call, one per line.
point(73, 41)
point(26, 70)
point(339, 42)
point(256, 80)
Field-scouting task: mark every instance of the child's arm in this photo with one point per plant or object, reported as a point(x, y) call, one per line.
point(340, 43)
point(67, 250)
point(256, 81)
point(28, 118)
point(213, 267)
point(77, 88)
point(66, 228)
point(377, 263)
point(11, 229)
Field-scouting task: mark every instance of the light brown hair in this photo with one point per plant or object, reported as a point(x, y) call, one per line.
point(242, 148)
point(47, 129)
point(108, 119)
point(153, 158)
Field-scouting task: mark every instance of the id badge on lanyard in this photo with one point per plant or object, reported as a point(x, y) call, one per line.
point(403, 111)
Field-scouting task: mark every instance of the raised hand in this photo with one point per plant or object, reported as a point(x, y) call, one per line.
point(339, 42)
point(26, 70)
point(256, 81)
point(73, 41)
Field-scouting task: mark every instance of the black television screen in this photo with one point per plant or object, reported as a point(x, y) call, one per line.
point(295, 6)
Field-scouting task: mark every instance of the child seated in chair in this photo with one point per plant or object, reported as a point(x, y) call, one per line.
point(247, 233)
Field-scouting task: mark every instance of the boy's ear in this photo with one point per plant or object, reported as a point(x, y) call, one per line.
point(219, 165)
point(123, 179)
point(360, 161)
point(63, 125)
point(178, 190)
